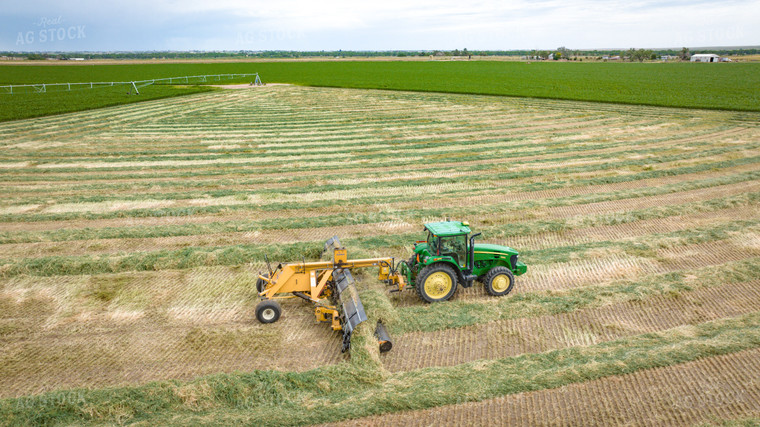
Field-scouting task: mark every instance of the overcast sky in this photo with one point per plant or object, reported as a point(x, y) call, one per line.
point(89, 25)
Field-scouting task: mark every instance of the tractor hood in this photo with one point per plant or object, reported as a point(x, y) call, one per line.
point(485, 251)
point(420, 248)
point(495, 249)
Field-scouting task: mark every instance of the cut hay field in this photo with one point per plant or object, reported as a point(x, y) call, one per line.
point(131, 237)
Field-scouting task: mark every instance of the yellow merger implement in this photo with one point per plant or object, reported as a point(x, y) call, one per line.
point(329, 285)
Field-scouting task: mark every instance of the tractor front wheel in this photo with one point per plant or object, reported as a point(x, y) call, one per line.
point(436, 283)
point(499, 281)
point(268, 311)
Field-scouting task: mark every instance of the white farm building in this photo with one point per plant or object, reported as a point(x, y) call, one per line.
point(705, 57)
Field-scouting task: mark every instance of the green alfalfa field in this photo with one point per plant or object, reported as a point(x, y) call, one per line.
point(131, 237)
point(728, 86)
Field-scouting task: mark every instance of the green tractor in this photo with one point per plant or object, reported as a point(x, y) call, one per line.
point(448, 257)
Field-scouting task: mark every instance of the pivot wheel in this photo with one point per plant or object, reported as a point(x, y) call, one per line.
point(436, 282)
point(268, 311)
point(499, 281)
point(261, 284)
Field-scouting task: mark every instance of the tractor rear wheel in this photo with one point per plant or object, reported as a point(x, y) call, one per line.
point(436, 282)
point(499, 281)
point(268, 311)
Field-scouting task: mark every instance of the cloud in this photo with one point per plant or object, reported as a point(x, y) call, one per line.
point(391, 24)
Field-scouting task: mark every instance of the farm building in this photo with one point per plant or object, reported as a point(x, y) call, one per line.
point(705, 57)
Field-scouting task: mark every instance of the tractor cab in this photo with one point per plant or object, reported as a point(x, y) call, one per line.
point(449, 239)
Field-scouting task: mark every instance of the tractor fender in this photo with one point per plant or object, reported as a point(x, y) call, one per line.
point(517, 268)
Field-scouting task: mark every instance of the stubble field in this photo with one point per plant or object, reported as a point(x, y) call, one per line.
point(130, 239)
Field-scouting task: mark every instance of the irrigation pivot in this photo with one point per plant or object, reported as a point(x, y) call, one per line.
point(132, 86)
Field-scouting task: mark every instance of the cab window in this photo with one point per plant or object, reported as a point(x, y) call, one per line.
point(455, 247)
point(432, 242)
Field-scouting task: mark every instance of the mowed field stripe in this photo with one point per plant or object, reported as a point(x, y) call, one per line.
point(635, 186)
point(645, 246)
point(310, 160)
point(66, 182)
point(528, 169)
point(513, 337)
point(127, 330)
point(575, 233)
point(715, 388)
point(164, 124)
point(605, 268)
point(578, 147)
point(590, 194)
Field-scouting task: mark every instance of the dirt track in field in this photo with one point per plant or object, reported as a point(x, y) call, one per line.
point(716, 388)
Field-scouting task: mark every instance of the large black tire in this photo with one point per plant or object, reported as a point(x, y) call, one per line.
point(436, 282)
point(261, 284)
point(268, 311)
point(499, 281)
